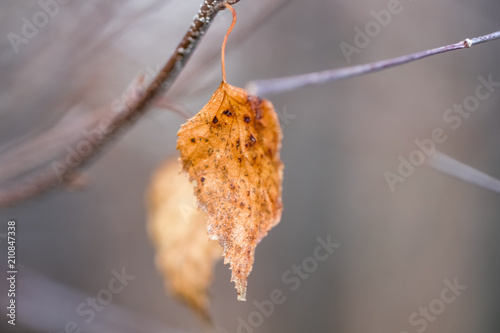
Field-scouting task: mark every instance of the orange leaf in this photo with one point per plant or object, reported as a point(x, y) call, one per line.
point(185, 255)
point(230, 151)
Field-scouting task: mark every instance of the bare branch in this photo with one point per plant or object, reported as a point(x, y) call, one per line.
point(284, 84)
point(135, 106)
point(457, 169)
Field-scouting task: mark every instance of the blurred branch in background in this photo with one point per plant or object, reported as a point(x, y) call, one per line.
point(48, 306)
point(135, 102)
point(457, 169)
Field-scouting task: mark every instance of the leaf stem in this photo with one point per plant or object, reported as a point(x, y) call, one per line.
point(223, 50)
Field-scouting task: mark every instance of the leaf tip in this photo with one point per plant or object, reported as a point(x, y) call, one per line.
point(242, 296)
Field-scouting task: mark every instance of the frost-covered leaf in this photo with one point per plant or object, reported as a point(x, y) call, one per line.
point(230, 151)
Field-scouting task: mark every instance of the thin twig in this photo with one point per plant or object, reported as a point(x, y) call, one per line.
point(459, 170)
point(48, 177)
point(284, 84)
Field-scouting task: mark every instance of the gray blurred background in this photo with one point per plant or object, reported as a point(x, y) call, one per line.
point(396, 249)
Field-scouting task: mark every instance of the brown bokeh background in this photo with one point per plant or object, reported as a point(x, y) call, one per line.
point(397, 249)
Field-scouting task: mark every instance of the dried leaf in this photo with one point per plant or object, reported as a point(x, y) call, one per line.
point(230, 151)
point(185, 255)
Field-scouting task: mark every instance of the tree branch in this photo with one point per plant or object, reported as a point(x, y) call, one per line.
point(289, 83)
point(136, 103)
point(450, 166)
